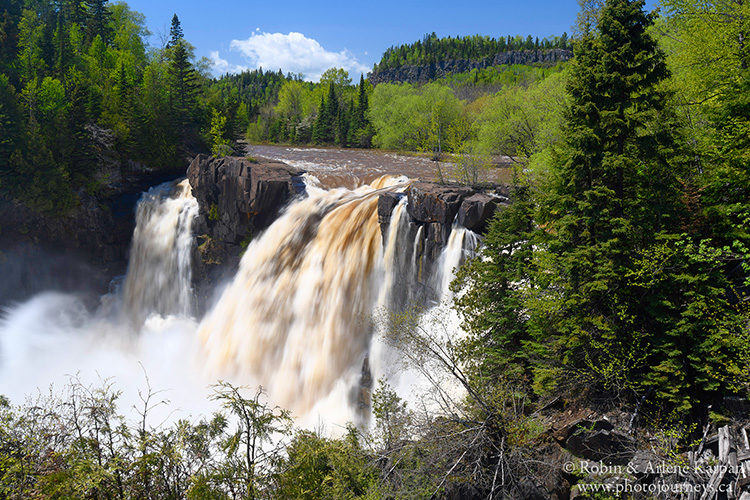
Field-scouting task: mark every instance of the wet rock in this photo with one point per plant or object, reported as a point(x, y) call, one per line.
point(239, 197)
point(386, 203)
point(435, 203)
point(476, 210)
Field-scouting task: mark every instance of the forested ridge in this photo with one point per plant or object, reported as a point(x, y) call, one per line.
point(431, 49)
point(608, 303)
point(72, 71)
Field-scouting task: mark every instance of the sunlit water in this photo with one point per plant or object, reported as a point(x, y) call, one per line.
point(298, 317)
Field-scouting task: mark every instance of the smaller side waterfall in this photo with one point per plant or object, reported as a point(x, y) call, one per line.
point(462, 244)
point(398, 269)
point(159, 270)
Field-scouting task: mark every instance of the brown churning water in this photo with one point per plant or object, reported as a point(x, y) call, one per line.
point(297, 314)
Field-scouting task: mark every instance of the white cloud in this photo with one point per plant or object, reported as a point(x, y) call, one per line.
point(293, 53)
point(222, 66)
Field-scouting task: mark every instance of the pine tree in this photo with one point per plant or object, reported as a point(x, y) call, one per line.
point(175, 32)
point(10, 130)
point(612, 219)
point(319, 128)
point(99, 20)
point(183, 84)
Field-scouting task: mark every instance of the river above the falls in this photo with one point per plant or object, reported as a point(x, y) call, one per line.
point(351, 168)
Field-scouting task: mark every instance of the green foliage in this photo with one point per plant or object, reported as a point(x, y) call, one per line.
point(589, 284)
point(521, 121)
point(220, 142)
point(432, 50)
point(320, 468)
point(428, 118)
point(78, 67)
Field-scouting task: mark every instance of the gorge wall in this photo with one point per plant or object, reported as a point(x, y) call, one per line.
point(85, 247)
point(239, 198)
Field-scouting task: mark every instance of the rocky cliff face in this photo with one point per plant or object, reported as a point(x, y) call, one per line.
point(237, 198)
point(436, 207)
point(83, 249)
point(423, 74)
point(432, 210)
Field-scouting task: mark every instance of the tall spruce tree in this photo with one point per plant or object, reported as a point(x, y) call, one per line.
point(175, 32)
point(592, 286)
point(612, 216)
point(183, 84)
point(98, 20)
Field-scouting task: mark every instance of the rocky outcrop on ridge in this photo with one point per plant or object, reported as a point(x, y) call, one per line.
point(426, 73)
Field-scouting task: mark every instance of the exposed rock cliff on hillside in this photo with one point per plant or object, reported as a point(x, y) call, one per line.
point(426, 73)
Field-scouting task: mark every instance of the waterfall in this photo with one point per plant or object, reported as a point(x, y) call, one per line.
point(297, 315)
point(297, 318)
point(462, 243)
point(397, 272)
point(159, 269)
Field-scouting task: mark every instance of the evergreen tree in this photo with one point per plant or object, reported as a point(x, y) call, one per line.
point(175, 32)
point(10, 15)
point(614, 212)
point(99, 19)
point(183, 84)
point(326, 124)
point(319, 128)
point(10, 130)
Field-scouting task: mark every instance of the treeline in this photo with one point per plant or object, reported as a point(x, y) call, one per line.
point(70, 68)
point(332, 111)
point(431, 49)
point(524, 114)
point(78, 77)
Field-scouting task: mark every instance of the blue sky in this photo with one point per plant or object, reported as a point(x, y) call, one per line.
point(308, 37)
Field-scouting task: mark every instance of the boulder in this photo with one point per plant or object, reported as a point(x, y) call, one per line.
point(476, 210)
point(597, 440)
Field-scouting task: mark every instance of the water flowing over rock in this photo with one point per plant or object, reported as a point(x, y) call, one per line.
point(297, 315)
point(159, 277)
point(432, 210)
point(238, 198)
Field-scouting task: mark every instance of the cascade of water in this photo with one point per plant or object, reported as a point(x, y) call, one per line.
point(159, 270)
point(462, 244)
point(297, 318)
point(398, 274)
point(297, 315)
point(441, 321)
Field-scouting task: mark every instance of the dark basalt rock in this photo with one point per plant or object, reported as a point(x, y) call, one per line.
point(597, 440)
point(238, 198)
point(433, 209)
point(476, 210)
point(435, 203)
point(386, 203)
